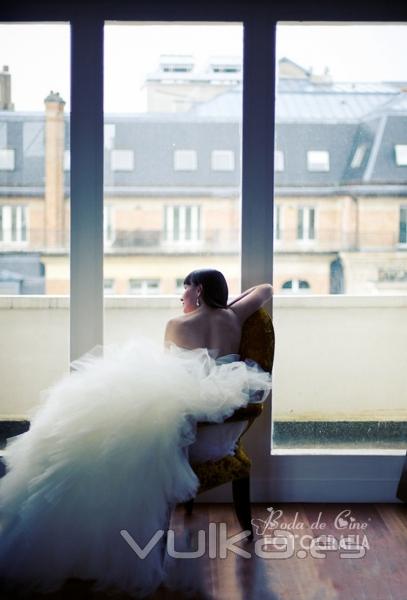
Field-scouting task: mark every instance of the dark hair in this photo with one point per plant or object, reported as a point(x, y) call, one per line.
point(214, 287)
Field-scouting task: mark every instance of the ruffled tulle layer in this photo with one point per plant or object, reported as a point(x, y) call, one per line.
point(106, 456)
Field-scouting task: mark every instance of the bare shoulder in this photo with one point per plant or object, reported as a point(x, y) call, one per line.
point(174, 331)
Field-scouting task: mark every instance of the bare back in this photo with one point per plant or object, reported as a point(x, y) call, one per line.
point(217, 329)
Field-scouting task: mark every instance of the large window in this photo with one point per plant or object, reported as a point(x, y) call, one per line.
point(34, 157)
point(13, 224)
point(340, 127)
point(340, 121)
point(306, 223)
point(34, 210)
point(182, 224)
point(329, 349)
point(172, 154)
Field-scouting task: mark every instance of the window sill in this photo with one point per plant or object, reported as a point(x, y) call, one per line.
point(338, 452)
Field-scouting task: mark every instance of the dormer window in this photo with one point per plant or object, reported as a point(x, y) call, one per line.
point(223, 160)
point(318, 160)
point(279, 160)
point(7, 159)
point(185, 160)
point(122, 160)
point(358, 156)
point(401, 155)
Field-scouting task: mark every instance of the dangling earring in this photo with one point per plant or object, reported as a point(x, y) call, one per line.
point(198, 302)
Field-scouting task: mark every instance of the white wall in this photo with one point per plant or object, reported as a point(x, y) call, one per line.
point(340, 357)
point(336, 357)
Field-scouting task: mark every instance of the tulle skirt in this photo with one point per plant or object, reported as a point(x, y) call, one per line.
point(105, 461)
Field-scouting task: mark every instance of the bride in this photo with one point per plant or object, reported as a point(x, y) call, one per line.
point(106, 456)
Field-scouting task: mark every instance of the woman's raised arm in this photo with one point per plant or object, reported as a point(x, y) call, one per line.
point(251, 300)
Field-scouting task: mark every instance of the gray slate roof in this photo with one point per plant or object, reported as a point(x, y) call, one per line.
point(337, 119)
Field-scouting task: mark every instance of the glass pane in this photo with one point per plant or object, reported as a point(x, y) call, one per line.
point(34, 211)
point(341, 203)
point(174, 208)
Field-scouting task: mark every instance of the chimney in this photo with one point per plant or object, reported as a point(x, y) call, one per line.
point(5, 90)
point(54, 171)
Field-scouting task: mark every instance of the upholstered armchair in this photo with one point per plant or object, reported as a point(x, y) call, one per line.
point(257, 343)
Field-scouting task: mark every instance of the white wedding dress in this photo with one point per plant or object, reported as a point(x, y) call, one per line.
point(107, 453)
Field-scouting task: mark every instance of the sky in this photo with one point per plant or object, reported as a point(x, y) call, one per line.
point(38, 55)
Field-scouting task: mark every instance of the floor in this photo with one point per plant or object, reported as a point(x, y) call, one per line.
point(362, 557)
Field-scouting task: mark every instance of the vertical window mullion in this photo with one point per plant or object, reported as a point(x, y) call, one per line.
point(306, 223)
point(176, 223)
point(258, 148)
point(86, 306)
point(403, 225)
point(14, 223)
point(259, 67)
point(23, 232)
point(300, 224)
point(7, 223)
point(182, 223)
point(311, 223)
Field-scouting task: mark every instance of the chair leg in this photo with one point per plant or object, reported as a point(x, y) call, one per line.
point(189, 505)
point(241, 501)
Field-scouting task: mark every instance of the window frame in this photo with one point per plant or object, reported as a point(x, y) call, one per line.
point(169, 231)
point(402, 209)
point(306, 212)
point(9, 157)
point(218, 154)
point(279, 160)
point(109, 224)
point(400, 155)
point(145, 288)
point(177, 160)
point(318, 167)
point(21, 224)
point(287, 477)
point(280, 476)
point(119, 154)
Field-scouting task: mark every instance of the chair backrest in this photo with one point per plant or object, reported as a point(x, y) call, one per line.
point(258, 339)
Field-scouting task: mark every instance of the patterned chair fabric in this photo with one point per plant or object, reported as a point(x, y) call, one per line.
point(257, 343)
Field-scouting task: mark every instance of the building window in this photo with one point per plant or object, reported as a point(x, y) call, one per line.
point(67, 160)
point(306, 223)
point(108, 286)
point(279, 160)
point(179, 285)
point(403, 225)
point(294, 286)
point(318, 160)
point(358, 156)
point(144, 286)
point(7, 159)
point(182, 223)
point(3, 135)
point(277, 222)
point(122, 160)
point(222, 160)
point(401, 154)
point(108, 225)
point(185, 160)
point(109, 132)
point(13, 224)
point(33, 138)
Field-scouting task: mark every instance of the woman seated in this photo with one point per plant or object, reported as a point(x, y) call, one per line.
point(93, 480)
